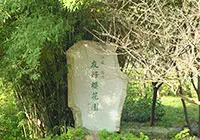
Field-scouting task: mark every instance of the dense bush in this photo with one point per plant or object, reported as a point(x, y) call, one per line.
point(9, 127)
point(184, 134)
point(81, 134)
point(105, 135)
point(34, 36)
point(10, 117)
point(134, 89)
point(139, 108)
point(72, 134)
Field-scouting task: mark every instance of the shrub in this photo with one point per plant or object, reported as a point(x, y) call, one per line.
point(139, 109)
point(72, 134)
point(9, 129)
point(134, 89)
point(183, 135)
point(81, 134)
point(9, 114)
point(105, 135)
point(166, 90)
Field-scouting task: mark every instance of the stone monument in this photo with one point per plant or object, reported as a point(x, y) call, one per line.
point(96, 86)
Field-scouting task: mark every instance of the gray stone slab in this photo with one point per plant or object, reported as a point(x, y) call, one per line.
point(96, 86)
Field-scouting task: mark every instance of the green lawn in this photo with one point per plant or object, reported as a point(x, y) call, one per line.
point(174, 115)
point(167, 127)
point(174, 112)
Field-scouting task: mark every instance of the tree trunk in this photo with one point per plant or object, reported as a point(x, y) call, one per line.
point(180, 90)
point(185, 110)
point(198, 93)
point(197, 89)
point(121, 58)
point(155, 91)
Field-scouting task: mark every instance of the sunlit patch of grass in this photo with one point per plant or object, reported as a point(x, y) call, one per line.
point(174, 112)
point(174, 117)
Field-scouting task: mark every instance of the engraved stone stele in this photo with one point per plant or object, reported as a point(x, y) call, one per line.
point(96, 86)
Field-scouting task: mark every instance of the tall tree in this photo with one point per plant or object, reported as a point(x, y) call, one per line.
point(157, 36)
point(34, 37)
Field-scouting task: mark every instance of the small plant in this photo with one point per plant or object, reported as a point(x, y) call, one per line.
point(9, 114)
point(72, 134)
point(105, 135)
point(183, 135)
point(143, 137)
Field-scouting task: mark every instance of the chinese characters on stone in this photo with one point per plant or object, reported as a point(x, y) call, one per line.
point(95, 83)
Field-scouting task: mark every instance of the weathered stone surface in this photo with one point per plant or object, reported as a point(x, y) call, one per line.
point(97, 87)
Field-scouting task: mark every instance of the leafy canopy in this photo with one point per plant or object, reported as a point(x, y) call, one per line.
point(32, 24)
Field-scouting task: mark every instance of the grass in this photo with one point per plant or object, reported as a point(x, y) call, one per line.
point(174, 112)
point(173, 118)
point(174, 115)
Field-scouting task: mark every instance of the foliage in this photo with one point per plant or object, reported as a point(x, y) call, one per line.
point(105, 135)
point(173, 118)
point(139, 89)
point(139, 108)
point(72, 134)
point(32, 30)
point(183, 135)
point(134, 89)
point(30, 27)
point(10, 116)
point(166, 90)
point(81, 134)
point(174, 114)
point(74, 5)
point(34, 35)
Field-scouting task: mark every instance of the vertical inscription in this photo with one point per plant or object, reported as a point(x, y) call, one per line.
point(96, 73)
